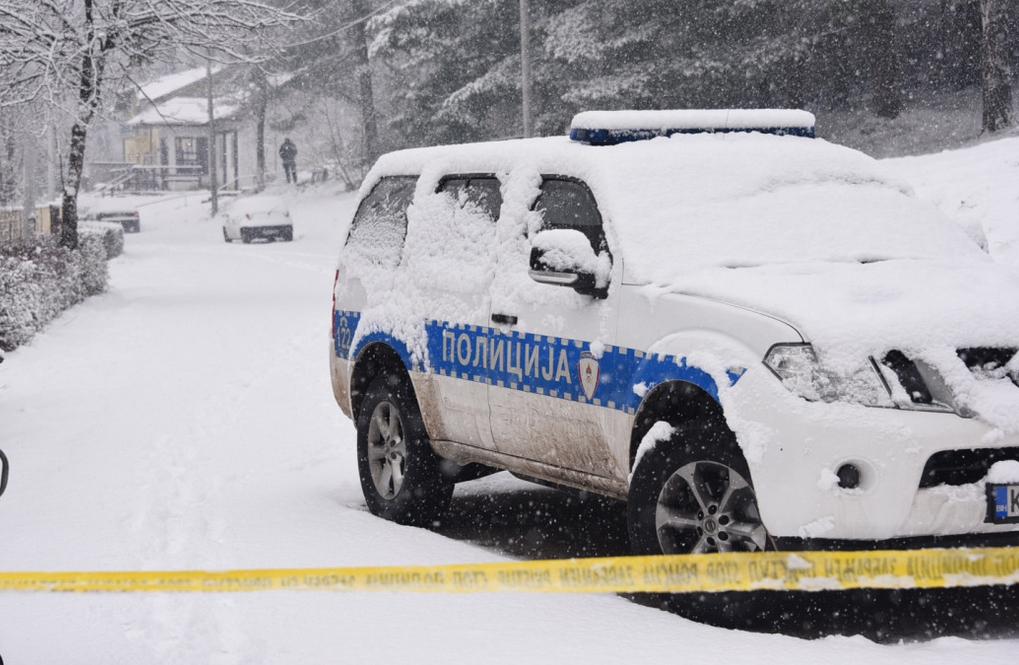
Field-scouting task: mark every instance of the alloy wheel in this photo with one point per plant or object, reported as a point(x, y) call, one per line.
point(387, 450)
point(708, 507)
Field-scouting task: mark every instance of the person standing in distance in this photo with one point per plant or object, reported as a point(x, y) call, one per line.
point(288, 153)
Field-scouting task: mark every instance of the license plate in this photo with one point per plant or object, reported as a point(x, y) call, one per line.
point(1003, 504)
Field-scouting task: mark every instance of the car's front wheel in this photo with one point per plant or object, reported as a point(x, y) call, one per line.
point(401, 476)
point(692, 494)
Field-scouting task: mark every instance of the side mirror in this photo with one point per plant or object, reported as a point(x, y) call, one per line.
point(4, 467)
point(564, 257)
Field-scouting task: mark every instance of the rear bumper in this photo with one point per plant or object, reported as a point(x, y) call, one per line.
point(277, 231)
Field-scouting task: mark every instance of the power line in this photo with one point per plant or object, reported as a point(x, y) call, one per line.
point(343, 27)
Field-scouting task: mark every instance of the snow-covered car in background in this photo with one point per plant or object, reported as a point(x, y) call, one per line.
point(258, 217)
point(112, 210)
point(754, 337)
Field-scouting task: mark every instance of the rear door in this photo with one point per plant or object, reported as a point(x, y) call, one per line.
point(546, 398)
point(372, 254)
point(451, 256)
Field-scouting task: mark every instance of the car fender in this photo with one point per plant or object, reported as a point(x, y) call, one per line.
point(707, 359)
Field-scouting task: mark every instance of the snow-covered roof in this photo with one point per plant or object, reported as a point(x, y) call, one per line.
point(696, 201)
point(164, 86)
point(182, 111)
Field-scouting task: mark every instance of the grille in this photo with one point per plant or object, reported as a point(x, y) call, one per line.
point(990, 362)
point(961, 467)
point(983, 361)
point(909, 377)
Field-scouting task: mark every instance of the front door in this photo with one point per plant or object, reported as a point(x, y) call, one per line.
point(547, 400)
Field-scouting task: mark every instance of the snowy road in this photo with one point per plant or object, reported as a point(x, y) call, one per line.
point(185, 420)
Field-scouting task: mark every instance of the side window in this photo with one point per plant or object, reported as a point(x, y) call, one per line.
point(380, 225)
point(565, 203)
point(481, 192)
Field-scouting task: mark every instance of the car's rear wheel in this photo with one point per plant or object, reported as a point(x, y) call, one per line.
point(401, 476)
point(692, 494)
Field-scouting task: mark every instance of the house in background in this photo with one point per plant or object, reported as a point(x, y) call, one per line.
point(164, 132)
point(166, 139)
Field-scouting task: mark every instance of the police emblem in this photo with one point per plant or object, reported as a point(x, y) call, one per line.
point(344, 336)
point(590, 373)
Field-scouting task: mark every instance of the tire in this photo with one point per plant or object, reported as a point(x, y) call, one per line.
point(288, 235)
point(245, 237)
point(391, 435)
point(693, 494)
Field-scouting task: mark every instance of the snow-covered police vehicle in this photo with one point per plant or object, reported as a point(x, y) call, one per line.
point(266, 217)
point(754, 337)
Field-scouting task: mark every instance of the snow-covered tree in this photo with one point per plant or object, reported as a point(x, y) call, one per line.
point(997, 74)
point(329, 58)
point(64, 55)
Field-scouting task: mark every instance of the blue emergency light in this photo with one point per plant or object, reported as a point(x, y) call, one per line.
point(613, 127)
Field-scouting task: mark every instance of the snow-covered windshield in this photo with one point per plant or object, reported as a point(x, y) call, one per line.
point(691, 202)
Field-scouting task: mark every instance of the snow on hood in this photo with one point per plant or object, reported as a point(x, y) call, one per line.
point(928, 309)
point(866, 309)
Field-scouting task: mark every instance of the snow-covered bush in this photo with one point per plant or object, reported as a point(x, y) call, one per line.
point(111, 233)
point(38, 281)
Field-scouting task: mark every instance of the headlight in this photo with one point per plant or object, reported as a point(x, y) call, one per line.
point(797, 367)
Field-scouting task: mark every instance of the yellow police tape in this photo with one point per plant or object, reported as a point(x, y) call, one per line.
point(800, 571)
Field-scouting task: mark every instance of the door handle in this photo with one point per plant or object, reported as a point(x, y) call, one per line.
point(506, 319)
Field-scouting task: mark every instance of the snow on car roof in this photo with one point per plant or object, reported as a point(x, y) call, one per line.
point(694, 119)
point(256, 204)
point(693, 201)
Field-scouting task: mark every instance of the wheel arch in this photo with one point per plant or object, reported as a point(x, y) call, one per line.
point(676, 402)
point(373, 360)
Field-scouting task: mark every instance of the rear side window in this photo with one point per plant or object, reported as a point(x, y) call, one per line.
point(566, 203)
point(481, 192)
point(380, 225)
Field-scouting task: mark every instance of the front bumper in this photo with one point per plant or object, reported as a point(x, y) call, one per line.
point(794, 446)
point(1007, 539)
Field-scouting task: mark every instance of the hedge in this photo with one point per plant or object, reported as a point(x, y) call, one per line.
point(40, 280)
point(112, 234)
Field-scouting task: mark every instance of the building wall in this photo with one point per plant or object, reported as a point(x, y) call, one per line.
point(158, 146)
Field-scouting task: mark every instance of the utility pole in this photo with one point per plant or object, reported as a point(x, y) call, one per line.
point(213, 184)
point(525, 66)
point(28, 155)
point(51, 164)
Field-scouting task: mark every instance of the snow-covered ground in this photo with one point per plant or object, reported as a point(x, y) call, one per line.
point(185, 420)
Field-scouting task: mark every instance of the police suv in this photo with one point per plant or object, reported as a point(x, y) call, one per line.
point(755, 338)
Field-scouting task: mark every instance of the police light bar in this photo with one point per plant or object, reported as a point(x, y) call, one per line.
point(612, 127)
